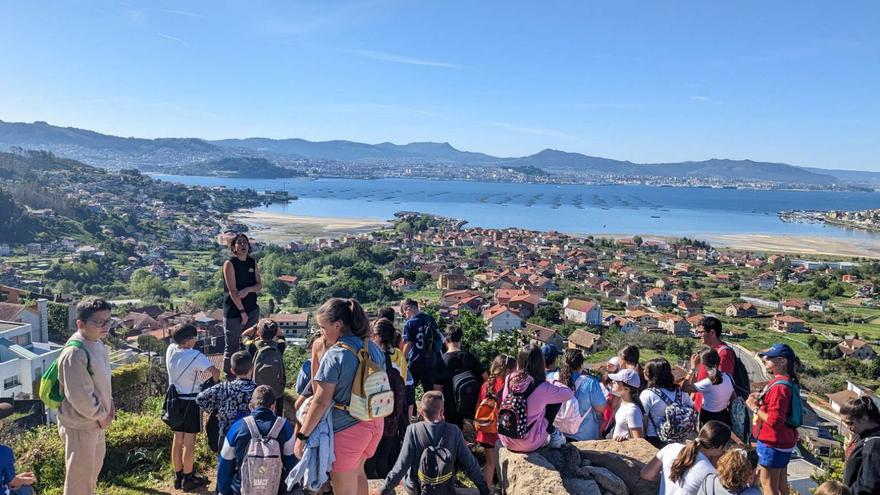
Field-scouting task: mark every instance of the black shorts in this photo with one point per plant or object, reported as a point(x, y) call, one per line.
point(410, 395)
point(192, 418)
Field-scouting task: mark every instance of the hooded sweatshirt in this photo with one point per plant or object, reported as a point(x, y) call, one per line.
point(544, 394)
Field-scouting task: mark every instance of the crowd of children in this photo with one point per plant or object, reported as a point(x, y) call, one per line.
point(355, 394)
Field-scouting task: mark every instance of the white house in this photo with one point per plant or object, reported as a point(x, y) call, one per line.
point(36, 316)
point(22, 361)
point(499, 318)
point(582, 311)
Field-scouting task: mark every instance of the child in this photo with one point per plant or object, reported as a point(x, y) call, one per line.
point(629, 418)
point(590, 398)
point(487, 437)
point(184, 365)
point(716, 389)
point(433, 431)
point(832, 487)
point(11, 483)
point(543, 401)
point(230, 398)
point(235, 445)
point(685, 466)
point(267, 351)
point(737, 474)
point(378, 466)
point(776, 439)
point(87, 409)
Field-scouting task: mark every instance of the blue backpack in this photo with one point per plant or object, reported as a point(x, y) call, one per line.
point(795, 417)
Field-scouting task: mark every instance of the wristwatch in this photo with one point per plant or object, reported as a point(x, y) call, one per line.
point(300, 436)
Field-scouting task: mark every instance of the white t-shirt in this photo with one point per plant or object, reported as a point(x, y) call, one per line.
point(716, 398)
point(184, 366)
point(628, 416)
point(655, 407)
point(693, 477)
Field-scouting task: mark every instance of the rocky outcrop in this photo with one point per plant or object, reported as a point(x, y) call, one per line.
point(571, 469)
point(624, 459)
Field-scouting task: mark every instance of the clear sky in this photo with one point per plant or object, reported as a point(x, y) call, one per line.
point(647, 81)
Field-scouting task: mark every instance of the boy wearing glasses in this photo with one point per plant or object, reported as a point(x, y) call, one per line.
point(87, 409)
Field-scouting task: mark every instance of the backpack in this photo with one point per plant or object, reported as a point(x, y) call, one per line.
point(513, 421)
point(678, 420)
point(486, 416)
point(50, 387)
point(795, 417)
point(465, 391)
point(371, 394)
point(742, 384)
point(436, 464)
point(569, 419)
point(261, 467)
point(394, 422)
point(269, 367)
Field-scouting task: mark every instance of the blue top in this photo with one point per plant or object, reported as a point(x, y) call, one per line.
point(7, 468)
point(589, 394)
point(415, 330)
point(338, 366)
point(235, 447)
point(304, 377)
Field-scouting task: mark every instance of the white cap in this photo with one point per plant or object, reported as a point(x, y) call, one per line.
point(627, 376)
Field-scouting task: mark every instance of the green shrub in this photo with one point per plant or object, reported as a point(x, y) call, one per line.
point(138, 448)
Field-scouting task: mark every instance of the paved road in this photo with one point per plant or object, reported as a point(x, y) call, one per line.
point(753, 364)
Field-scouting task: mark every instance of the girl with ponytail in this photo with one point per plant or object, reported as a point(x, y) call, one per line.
point(772, 407)
point(491, 389)
point(588, 393)
point(345, 327)
point(684, 467)
point(717, 388)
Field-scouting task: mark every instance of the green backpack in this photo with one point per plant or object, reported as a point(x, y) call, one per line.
point(50, 388)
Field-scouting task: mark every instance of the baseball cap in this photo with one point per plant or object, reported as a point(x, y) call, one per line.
point(615, 362)
point(551, 352)
point(778, 350)
point(627, 376)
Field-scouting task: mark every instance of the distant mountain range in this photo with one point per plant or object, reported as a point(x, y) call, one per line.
point(170, 154)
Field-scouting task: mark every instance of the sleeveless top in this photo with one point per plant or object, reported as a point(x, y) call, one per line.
point(245, 276)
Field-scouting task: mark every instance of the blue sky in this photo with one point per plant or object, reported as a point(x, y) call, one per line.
point(647, 81)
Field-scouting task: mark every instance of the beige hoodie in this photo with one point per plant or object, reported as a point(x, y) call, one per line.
point(87, 398)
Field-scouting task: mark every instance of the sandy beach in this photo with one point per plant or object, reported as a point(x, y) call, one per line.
point(276, 228)
point(827, 246)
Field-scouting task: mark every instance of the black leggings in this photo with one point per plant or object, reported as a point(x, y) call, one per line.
point(723, 416)
point(550, 413)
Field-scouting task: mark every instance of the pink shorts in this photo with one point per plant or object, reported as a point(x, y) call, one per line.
point(356, 443)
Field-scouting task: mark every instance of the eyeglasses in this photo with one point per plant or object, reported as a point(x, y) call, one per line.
point(101, 323)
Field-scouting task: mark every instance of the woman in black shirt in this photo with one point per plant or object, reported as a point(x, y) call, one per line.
point(241, 282)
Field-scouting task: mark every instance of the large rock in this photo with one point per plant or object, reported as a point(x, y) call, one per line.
point(623, 459)
point(582, 486)
point(609, 481)
point(529, 474)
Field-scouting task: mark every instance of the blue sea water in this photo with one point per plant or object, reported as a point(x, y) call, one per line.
point(564, 208)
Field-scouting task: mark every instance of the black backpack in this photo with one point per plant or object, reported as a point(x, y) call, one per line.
point(513, 420)
point(742, 384)
point(269, 367)
point(395, 422)
point(465, 391)
point(436, 471)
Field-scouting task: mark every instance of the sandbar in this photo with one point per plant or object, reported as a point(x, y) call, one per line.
point(280, 229)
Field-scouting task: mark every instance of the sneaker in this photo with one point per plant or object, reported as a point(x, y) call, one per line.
point(178, 480)
point(557, 439)
point(192, 482)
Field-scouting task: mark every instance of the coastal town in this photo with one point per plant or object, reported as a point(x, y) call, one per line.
point(154, 248)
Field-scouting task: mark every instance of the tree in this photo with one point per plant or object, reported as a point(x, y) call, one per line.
point(58, 319)
point(151, 344)
point(146, 285)
point(550, 312)
point(278, 289)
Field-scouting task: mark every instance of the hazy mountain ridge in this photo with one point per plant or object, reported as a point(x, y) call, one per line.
point(113, 151)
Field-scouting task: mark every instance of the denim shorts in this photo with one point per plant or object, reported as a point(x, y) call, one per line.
point(772, 458)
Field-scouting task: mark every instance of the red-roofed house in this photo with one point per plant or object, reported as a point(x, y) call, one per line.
point(658, 297)
point(525, 305)
point(539, 335)
point(587, 342)
point(290, 280)
point(582, 311)
point(403, 284)
point(294, 325)
point(674, 325)
point(741, 310)
point(500, 318)
point(788, 324)
point(856, 349)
